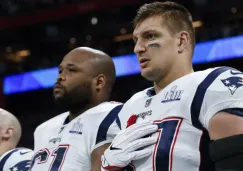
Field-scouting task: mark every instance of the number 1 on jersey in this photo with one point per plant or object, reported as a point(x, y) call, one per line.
point(163, 151)
point(58, 157)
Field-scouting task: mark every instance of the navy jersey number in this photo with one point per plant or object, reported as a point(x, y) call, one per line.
point(57, 161)
point(162, 156)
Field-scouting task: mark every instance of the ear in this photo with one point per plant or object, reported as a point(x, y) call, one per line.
point(182, 41)
point(7, 133)
point(100, 81)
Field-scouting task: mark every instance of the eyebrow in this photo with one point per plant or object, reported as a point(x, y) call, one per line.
point(59, 67)
point(146, 32)
point(149, 31)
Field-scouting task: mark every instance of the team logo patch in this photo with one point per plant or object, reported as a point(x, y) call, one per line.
point(148, 102)
point(54, 140)
point(233, 83)
point(21, 166)
point(77, 127)
point(172, 95)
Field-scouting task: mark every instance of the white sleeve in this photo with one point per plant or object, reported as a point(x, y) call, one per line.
point(37, 139)
point(18, 159)
point(108, 128)
point(223, 89)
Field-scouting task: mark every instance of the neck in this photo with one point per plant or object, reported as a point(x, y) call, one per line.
point(175, 73)
point(4, 148)
point(74, 112)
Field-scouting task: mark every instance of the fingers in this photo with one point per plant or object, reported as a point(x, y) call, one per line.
point(139, 132)
point(133, 133)
point(141, 143)
point(136, 155)
point(140, 125)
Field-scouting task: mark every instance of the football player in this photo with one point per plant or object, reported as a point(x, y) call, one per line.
point(75, 140)
point(188, 108)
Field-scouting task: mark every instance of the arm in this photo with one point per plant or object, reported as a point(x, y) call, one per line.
point(221, 113)
point(96, 157)
point(225, 124)
point(226, 129)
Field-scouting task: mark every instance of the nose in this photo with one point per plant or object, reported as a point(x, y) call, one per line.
point(61, 78)
point(139, 48)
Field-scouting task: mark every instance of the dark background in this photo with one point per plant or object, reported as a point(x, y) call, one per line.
point(48, 29)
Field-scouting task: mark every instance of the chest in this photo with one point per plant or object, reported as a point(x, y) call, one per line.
point(174, 103)
point(75, 134)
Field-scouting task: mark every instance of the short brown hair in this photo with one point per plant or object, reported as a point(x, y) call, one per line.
point(176, 17)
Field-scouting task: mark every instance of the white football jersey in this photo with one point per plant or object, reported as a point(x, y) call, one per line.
point(17, 159)
point(182, 111)
point(62, 146)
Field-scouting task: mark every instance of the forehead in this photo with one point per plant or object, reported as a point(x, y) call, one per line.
point(76, 58)
point(152, 23)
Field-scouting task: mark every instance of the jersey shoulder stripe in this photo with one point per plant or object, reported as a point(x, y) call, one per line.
point(106, 123)
point(5, 158)
point(200, 93)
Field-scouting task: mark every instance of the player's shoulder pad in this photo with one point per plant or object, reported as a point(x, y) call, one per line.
point(105, 127)
point(17, 150)
point(221, 80)
point(136, 96)
point(106, 107)
point(101, 110)
point(24, 153)
point(24, 150)
point(16, 158)
point(53, 121)
point(220, 89)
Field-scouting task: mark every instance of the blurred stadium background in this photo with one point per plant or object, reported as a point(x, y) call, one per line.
point(36, 34)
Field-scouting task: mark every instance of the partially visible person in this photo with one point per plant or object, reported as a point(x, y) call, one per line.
point(12, 158)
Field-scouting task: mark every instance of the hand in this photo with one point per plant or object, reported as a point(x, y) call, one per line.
point(129, 145)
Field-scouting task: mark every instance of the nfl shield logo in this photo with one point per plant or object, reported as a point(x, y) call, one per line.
point(77, 127)
point(148, 102)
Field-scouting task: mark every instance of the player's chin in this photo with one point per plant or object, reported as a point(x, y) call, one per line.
point(59, 100)
point(58, 95)
point(147, 73)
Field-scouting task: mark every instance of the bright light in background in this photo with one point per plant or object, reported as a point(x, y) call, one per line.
point(94, 20)
point(234, 10)
point(123, 37)
point(205, 52)
point(23, 53)
point(197, 24)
